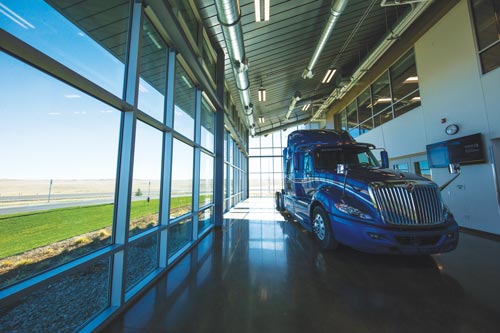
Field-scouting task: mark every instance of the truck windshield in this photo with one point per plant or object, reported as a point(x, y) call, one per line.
point(328, 158)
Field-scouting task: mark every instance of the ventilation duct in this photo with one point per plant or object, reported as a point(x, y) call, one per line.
point(229, 15)
point(374, 56)
point(336, 10)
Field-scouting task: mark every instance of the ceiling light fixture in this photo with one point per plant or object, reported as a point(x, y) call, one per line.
point(329, 75)
point(383, 100)
point(306, 107)
point(262, 94)
point(296, 97)
point(416, 99)
point(262, 10)
point(261, 120)
point(411, 79)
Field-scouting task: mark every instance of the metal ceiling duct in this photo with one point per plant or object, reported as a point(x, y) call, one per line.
point(336, 10)
point(229, 15)
point(375, 55)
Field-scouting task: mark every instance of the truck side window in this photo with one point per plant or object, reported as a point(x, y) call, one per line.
point(327, 160)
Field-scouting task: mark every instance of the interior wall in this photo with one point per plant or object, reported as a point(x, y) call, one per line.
point(452, 87)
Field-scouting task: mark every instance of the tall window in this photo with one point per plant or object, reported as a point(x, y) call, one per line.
point(486, 21)
point(394, 93)
point(153, 72)
point(59, 149)
point(185, 103)
point(405, 84)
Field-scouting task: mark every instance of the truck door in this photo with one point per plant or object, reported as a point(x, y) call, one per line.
point(304, 188)
point(289, 197)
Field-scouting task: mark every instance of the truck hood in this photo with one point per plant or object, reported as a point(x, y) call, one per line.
point(367, 175)
point(359, 178)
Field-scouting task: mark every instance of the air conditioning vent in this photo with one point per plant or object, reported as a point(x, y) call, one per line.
point(386, 3)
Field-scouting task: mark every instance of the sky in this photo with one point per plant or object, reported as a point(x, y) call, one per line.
point(50, 130)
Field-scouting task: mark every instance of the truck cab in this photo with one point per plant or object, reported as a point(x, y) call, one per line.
point(337, 189)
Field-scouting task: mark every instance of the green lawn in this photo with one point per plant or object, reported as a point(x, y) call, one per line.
point(26, 231)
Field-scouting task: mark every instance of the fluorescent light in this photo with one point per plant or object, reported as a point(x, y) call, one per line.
point(262, 94)
point(266, 10)
point(329, 75)
point(72, 96)
point(259, 15)
point(257, 10)
point(383, 100)
point(411, 79)
point(261, 120)
point(153, 39)
point(186, 81)
point(306, 107)
point(416, 99)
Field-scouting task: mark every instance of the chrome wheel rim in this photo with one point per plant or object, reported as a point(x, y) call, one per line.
point(319, 227)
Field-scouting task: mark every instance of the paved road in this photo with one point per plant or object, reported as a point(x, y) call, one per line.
point(54, 205)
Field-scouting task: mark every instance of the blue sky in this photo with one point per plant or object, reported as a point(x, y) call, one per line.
point(50, 130)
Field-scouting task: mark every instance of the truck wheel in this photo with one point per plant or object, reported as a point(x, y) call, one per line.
point(277, 196)
point(322, 229)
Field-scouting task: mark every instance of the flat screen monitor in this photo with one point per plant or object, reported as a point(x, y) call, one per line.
point(465, 150)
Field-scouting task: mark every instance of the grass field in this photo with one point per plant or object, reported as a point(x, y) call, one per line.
point(26, 231)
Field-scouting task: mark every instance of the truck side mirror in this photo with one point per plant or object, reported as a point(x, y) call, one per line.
point(454, 168)
point(384, 157)
point(341, 169)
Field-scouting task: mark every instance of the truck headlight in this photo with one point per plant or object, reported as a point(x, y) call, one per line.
point(353, 211)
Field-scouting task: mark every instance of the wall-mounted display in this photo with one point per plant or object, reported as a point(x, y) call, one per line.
point(465, 150)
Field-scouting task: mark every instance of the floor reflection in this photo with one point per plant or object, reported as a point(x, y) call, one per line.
point(269, 276)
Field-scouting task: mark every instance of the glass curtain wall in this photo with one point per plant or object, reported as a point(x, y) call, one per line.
point(104, 187)
point(266, 161)
point(235, 173)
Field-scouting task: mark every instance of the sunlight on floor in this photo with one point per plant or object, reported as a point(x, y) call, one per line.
point(255, 209)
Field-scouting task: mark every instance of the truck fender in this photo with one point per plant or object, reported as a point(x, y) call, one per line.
point(326, 197)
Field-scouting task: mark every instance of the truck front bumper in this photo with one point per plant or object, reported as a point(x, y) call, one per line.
point(415, 241)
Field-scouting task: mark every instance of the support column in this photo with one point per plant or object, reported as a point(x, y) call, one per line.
point(126, 155)
point(219, 144)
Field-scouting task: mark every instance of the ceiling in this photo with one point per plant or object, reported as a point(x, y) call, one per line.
point(280, 49)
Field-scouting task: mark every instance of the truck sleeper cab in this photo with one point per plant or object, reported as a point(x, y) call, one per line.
point(335, 188)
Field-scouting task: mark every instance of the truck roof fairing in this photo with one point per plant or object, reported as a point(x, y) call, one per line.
point(303, 140)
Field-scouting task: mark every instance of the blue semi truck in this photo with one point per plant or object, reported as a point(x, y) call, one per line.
point(336, 188)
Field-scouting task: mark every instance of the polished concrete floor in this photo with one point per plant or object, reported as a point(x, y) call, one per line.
point(265, 274)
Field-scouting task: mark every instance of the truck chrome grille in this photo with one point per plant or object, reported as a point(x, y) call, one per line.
point(408, 203)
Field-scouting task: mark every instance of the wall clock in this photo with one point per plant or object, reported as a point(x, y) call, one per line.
point(451, 129)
